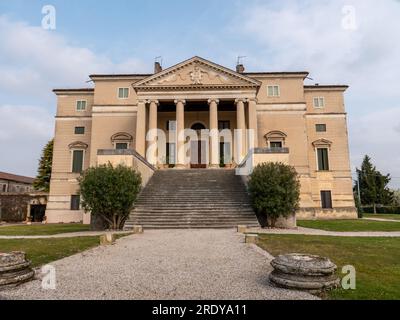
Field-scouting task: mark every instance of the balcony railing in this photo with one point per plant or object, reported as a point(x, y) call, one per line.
point(270, 150)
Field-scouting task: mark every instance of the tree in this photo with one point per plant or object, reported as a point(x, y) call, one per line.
point(275, 191)
point(373, 185)
point(110, 193)
point(396, 198)
point(42, 181)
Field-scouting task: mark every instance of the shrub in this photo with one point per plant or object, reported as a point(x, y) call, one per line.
point(275, 191)
point(110, 193)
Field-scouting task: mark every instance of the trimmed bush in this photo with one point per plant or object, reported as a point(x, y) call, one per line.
point(275, 191)
point(109, 193)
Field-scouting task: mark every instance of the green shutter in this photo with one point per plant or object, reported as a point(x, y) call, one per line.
point(77, 161)
point(323, 161)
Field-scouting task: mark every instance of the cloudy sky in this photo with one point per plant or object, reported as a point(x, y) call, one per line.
point(354, 42)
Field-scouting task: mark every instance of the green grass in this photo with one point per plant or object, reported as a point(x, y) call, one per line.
point(383, 216)
point(376, 261)
point(42, 230)
point(43, 251)
point(350, 225)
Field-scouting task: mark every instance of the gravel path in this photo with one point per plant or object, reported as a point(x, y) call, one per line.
point(382, 219)
point(164, 264)
point(317, 232)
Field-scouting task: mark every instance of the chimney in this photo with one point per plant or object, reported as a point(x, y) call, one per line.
point(240, 68)
point(157, 67)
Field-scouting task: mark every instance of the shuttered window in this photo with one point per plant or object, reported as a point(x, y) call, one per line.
point(75, 202)
point(77, 161)
point(320, 127)
point(79, 130)
point(123, 93)
point(121, 146)
point(273, 91)
point(326, 199)
point(81, 105)
point(323, 161)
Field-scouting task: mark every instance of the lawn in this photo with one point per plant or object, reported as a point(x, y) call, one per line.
point(43, 251)
point(350, 225)
point(376, 261)
point(383, 216)
point(42, 230)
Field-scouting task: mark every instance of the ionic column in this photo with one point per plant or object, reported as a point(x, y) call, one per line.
point(141, 128)
point(253, 127)
point(180, 133)
point(214, 134)
point(241, 126)
point(152, 135)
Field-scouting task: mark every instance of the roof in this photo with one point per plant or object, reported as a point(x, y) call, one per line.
point(82, 91)
point(289, 73)
point(16, 178)
point(116, 75)
point(328, 86)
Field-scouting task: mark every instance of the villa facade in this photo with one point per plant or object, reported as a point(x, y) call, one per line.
point(201, 115)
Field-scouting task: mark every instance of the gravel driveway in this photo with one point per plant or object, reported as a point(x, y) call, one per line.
point(164, 264)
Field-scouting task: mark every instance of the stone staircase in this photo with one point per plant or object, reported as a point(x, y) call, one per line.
point(193, 199)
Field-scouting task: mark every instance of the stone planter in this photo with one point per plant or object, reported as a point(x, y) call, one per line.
point(304, 272)
point(14, 269)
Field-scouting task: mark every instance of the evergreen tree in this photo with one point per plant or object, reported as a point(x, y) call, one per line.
point(373, 185)
point(42, 182)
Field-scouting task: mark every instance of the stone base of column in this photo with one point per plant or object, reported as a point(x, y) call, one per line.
point(213, 166)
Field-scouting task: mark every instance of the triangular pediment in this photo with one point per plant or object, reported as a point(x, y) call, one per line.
point(194, 73)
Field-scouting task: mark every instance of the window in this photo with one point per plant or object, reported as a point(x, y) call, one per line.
point(323, 162)
point(171, 125)
point(4, 188)
point(326, 199)
point(75, 202)
point(81, 105)
point(319, 102)
point(79, 130)
point(77, 161)
point(273, 91)
point(123, 93)
point(171, 153)
point(320, 127)
point(275, 144)
point(121, 146)
point(222, 125)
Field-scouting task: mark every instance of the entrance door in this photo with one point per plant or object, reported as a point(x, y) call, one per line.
point(198, 149)
point(198, 159)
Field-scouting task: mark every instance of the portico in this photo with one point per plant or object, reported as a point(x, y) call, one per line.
point(196, 91)
point(176, 118)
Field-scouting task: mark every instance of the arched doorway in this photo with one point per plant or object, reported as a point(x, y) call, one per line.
point(198, 148)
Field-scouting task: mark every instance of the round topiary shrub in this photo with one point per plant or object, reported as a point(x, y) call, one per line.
point(109, 193)
point(275, 191)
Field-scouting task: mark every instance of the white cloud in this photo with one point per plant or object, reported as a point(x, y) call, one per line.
point(376, 134)
point(33, 61)
point(308, 35)
point(24, 130)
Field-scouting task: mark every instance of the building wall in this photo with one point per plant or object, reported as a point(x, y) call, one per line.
point(292, 113)
point(13, 186)
point(63, 182)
